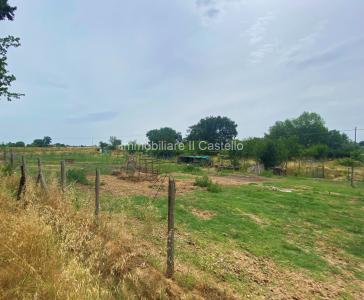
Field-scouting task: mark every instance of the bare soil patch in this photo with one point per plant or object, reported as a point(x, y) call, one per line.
point(236, 179)
point(203, 214)
point(122, 187)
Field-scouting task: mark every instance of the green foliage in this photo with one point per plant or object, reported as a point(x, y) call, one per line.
point(213, 130)
point(78, 176)
point(6, 79)
point(214, 188)
point(114, 143)
point(203, 181)
point(6, 11)
point(16, 144)
point(309, 130)
point(164, 137)
point(45, 142)
point(318, 152)
point(271, 153)
point(7, 169)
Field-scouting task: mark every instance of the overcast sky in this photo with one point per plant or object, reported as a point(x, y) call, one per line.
point(92, 69)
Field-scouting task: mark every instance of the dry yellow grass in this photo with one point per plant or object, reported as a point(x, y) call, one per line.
point(50, 250)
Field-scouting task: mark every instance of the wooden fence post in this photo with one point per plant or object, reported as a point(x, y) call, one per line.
point(63, 175)
point(5, 156)
point(352, 176)
point(97, 192)
point(40, 178)
point(170, 238)
point(22, 183)
point(23, 163)
point(11, 159)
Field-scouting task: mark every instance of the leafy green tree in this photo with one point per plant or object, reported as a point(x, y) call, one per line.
point(271, 153)
point(44, 142)
point(16, 144)
point(164, 137)
point(114, 142)
point(6, 79)
point(103, 145)
point(37, 143)
point(6, 11)
point(213, 130)
point(318, 152)
point(308, 128)
point(47, 141)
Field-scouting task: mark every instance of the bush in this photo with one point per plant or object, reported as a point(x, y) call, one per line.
point(77, 175)
point(202, 181)
point(214, 188)
point(207, 183)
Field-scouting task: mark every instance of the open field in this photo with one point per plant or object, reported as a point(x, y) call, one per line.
point(256, 237)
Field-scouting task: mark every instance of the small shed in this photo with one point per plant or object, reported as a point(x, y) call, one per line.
point(194, 159)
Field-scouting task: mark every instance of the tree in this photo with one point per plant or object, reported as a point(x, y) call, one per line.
point(361, 144)
point(114, 142)
point(17, 144)
point(166, 138)
point(47, 141)
point(6, 11)
point(318, 152)
point(6, 79)
point(213, 130)
point(309, 128)
point(44, 142)
point(103, 145)
point(271, 153)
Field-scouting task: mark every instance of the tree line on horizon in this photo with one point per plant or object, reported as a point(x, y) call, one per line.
point(292, 139)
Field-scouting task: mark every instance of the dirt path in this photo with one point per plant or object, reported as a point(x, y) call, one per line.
point(121, 187)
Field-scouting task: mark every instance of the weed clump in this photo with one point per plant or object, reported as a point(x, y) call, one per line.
point(214, 188)
point(78, 176)
point(203, 181)
point(206, 182)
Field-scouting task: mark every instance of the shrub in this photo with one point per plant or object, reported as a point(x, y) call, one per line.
point(77, 175)
point(203, 181)
point(214, 188)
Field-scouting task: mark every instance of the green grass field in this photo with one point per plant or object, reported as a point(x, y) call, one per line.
point(315, 227)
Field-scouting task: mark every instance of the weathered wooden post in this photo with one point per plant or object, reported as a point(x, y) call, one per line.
point(97, 192)
point(11, 159)
point(352, 175)
point(170, 238)
point(22, 183)
point(63, 175)
point(40, 178)
point(23, 163)
point(4, 156)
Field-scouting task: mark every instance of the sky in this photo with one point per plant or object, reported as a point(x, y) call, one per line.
point(94, 69)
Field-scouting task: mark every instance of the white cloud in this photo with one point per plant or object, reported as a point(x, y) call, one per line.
point(295, 51)
point(257, 31)
point(258, 55)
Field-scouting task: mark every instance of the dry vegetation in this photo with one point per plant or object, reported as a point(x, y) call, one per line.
point(51, 251)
